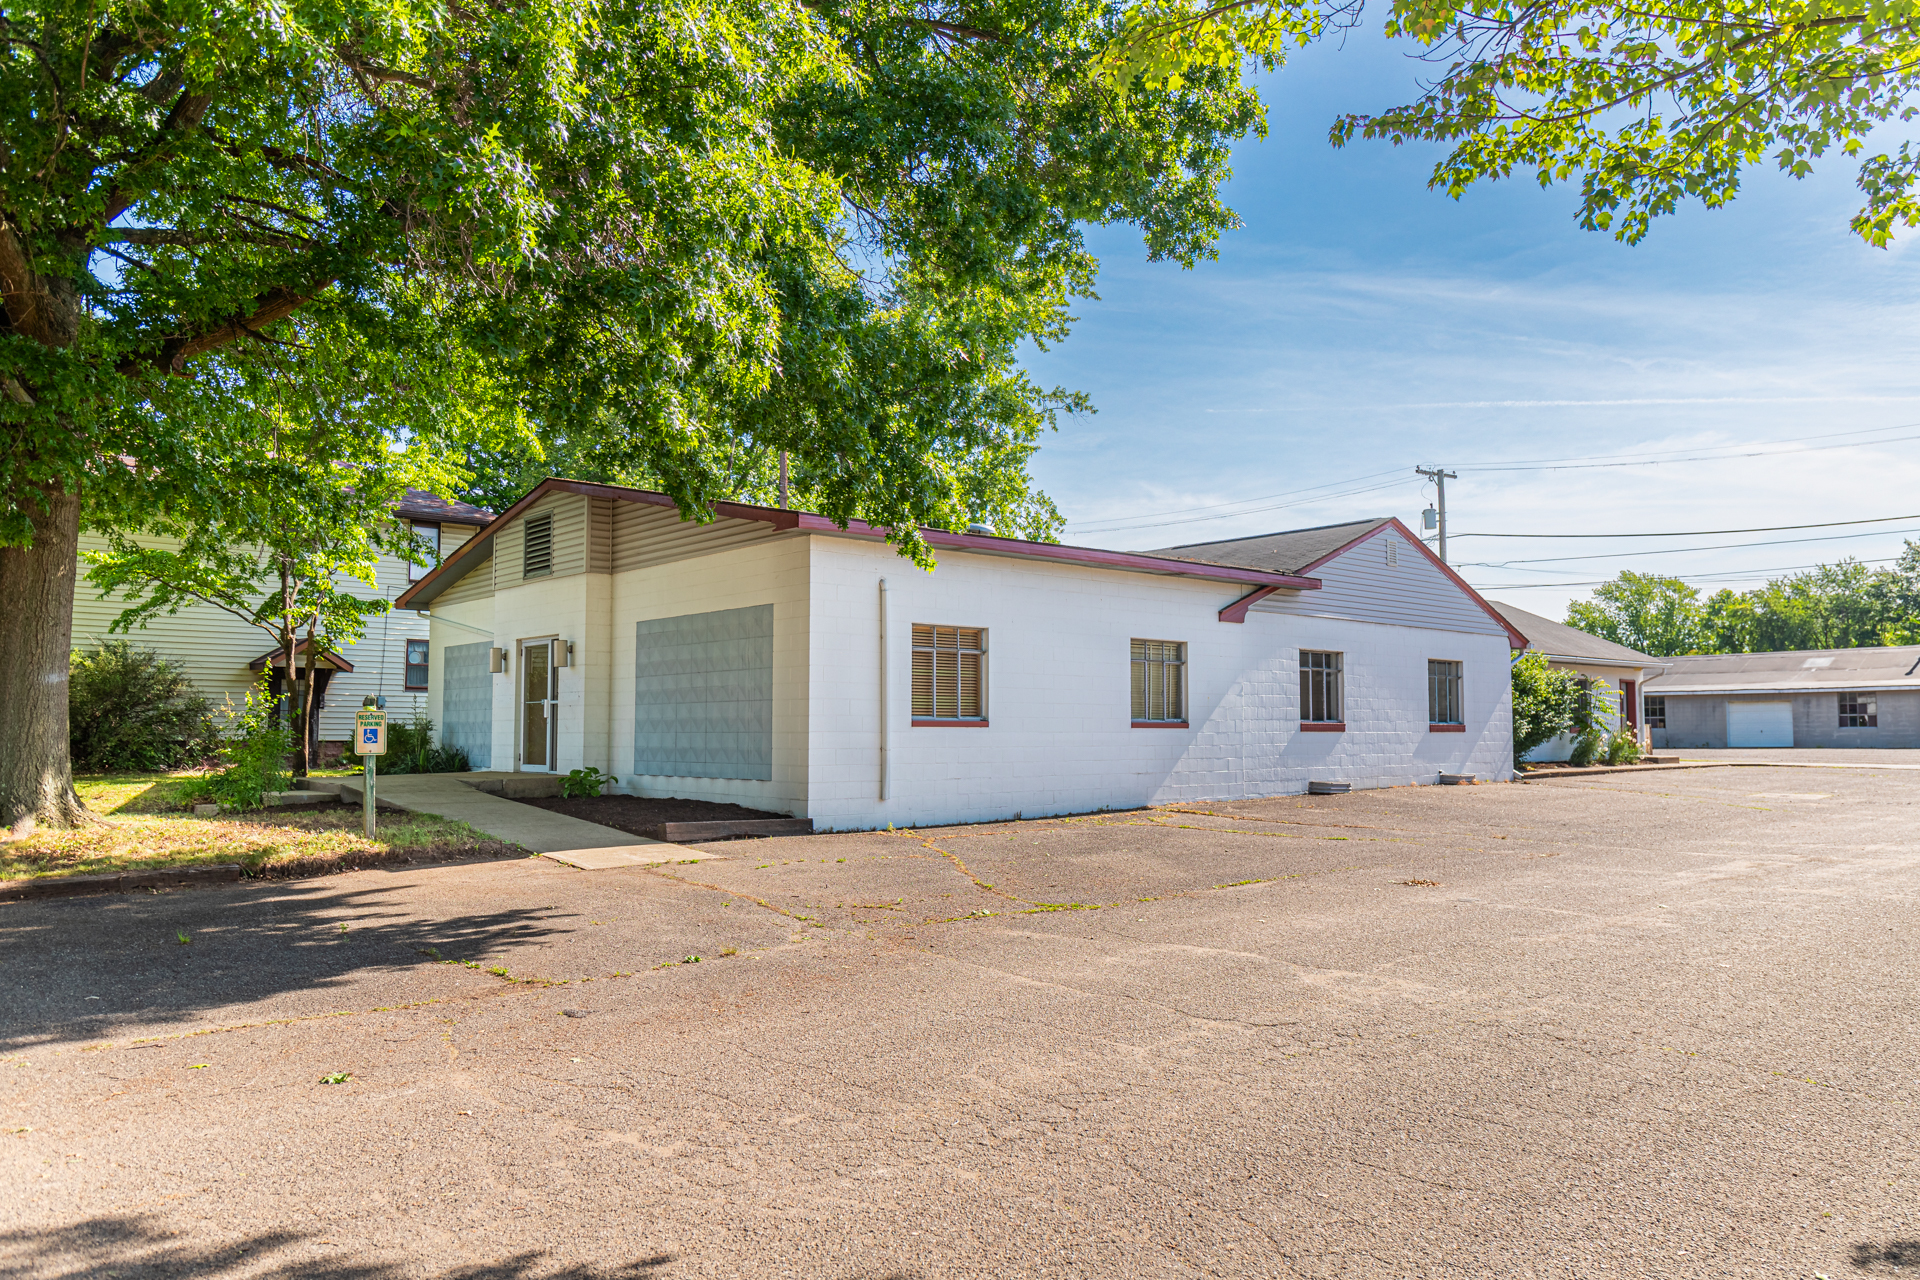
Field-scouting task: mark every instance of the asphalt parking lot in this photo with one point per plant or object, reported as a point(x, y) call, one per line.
point(1654, 1025)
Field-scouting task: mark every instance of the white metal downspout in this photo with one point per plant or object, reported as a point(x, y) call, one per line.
point(885, 762)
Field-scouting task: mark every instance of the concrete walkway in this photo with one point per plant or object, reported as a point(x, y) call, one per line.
point(578, 843)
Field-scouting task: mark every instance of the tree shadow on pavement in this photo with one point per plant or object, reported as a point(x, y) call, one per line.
point(140, 1247)
point(1894, 1255)
point(131, 1246)
point(90, 968)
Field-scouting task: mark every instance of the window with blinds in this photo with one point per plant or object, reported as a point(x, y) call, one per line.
point(1443, 692)
point(1322, 688)
point(536, 556)
point(949, 673)
point(1159, 682)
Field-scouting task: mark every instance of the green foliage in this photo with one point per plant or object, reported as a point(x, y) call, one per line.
point(130, 710)
point(254, 756)
point(1654, 615)
point(629, 238)
point(1651, 106)
point(1587, 747)
point(585, 782)
point(411, 749)
point(1546, 702)
point(1623, 746)
point(1835, 606)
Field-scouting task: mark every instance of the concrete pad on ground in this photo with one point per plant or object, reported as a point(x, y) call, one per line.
point(444, 795)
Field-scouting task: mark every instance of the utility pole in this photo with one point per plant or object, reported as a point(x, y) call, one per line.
point(1440, 479)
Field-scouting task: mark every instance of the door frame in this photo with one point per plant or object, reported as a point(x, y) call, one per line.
point(520, 706)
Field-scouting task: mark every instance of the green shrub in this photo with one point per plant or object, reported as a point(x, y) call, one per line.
point(411, 749)
point(132, 711)
point(1623, 746)
point(1587, 747)
point(584, 782)
point(1546, 701)
point(254, 755)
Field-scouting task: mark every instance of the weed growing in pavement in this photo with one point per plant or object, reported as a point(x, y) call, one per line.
point(199, 1066)
point(338, 1077)
point(730, 951)
point(431, 953)
point(498, 971)
point(181, 934)
point(1427, 884)
point(691, 960)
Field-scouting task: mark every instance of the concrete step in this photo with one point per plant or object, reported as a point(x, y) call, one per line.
point(695, 832)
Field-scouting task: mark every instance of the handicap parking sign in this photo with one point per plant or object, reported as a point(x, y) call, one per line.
point(370, 733)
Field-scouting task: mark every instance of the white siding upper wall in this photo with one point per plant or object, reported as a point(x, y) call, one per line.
point(1059, 737)
point(215, 647)
point(1361, 585)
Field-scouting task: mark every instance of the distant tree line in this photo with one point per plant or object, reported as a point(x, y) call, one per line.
point(1832, 606)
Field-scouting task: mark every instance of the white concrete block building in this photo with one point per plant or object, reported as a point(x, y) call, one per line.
point(772, 659)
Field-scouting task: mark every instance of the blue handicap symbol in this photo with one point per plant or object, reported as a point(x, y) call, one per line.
point(372, 735)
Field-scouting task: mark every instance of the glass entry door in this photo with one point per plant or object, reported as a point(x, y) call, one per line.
point(540, 706)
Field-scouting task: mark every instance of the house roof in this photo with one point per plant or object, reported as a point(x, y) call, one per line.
point(1288, 552)
point(1792, 671)
point(325, 660)
point(1305, 550)
point(1557, 640)
point(468, 554)
point(421, 505)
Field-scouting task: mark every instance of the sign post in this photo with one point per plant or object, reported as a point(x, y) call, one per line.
point(370, 740)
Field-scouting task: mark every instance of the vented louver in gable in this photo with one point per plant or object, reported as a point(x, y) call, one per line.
point(537, 554)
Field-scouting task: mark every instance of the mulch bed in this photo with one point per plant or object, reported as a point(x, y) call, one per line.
point(644, 815)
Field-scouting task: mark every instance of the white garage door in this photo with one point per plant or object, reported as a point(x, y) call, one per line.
point(1759, 724)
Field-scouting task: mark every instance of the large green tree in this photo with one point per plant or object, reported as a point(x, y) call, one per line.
point(1655, 615)
point(677, 240)
point(1645, 106)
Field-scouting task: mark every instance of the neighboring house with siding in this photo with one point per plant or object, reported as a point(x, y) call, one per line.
point(1624, 670)
point(772, 659)
point(1802, 698)
point(224, 655)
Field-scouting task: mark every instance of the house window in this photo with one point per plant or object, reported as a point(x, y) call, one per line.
point(416, 664)
point(949, 675)
point(536, 556)
point(1443, 692)
point(428, 537)
point(1859, 711)
point(1653, 709)
point(1322, 688)
point(1159, 682)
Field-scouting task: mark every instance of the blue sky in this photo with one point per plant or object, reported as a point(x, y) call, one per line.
point(1360, 325)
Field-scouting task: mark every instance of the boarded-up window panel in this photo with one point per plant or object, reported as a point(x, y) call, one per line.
point(703, 695)
point(466, 702)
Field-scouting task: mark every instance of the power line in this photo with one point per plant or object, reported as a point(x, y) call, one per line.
point(1180, 511)
point(1744, 575)
point(1702, 533)
point(1762, 448)
point(1680, 551)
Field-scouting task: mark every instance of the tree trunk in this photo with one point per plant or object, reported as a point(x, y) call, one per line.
point(290, 696)
point(36, 638)
point(306, 697)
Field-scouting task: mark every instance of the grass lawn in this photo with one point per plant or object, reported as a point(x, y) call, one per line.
point(145, 827)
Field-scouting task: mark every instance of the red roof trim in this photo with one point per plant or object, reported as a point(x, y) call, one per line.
point(1393, 522)
point(1237, 611)
point(807, 522)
